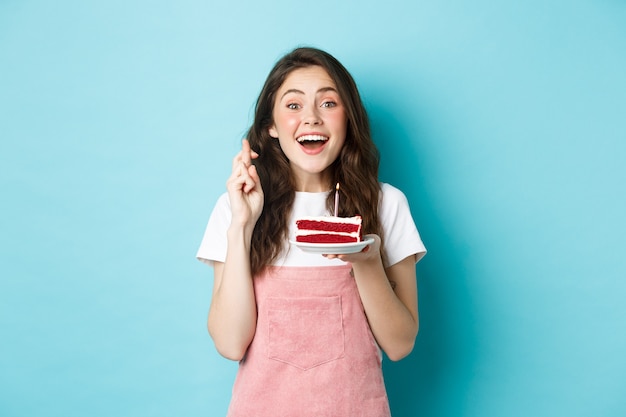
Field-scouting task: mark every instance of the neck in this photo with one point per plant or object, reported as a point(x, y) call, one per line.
point(316, 183)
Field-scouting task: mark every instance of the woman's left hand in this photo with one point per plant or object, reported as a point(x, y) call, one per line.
point(389, 297)
point(369, 253)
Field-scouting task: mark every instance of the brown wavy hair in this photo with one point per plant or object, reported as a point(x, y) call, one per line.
point(356, 167)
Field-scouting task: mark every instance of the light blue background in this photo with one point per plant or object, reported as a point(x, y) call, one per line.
point(503, 122)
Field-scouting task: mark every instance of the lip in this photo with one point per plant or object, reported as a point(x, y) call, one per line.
point(312, 134)
point(316, 150)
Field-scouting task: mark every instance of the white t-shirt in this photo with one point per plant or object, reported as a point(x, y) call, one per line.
point(401, 236)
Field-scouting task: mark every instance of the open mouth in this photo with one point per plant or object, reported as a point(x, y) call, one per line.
point(312, 141)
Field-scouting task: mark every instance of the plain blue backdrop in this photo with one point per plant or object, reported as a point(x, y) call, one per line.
point(503, 122)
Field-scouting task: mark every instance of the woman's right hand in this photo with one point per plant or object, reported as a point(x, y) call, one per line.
point(244, 188)
point(233, 314)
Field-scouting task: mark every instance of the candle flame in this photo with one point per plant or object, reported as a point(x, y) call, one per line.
point(337, 187)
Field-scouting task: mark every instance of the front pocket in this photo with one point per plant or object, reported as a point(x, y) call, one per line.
point(305, 332)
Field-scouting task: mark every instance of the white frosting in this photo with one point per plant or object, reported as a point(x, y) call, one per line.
point(332, 219)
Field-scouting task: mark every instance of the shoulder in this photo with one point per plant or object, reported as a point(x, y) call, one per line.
point(222, 204)
point(391, 197)
point(388, 189)
point(222, 200)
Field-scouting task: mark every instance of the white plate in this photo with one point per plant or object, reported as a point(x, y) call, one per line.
point(334, 248)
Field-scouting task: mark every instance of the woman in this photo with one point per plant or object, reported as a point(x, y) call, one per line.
point(307, 328)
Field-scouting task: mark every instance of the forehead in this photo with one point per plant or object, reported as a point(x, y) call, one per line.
point(308, 78)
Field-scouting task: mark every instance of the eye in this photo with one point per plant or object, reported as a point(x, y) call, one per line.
point(293, 106)
point(329, 103)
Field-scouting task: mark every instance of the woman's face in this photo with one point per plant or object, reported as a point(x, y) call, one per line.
point(309, 121)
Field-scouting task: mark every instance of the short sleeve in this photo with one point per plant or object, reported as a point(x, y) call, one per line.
point(401, 236)
point(213, 245)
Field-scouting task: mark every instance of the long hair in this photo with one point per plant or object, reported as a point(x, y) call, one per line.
point(356, 167)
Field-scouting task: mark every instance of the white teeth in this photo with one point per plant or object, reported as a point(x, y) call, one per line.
point(312, 138)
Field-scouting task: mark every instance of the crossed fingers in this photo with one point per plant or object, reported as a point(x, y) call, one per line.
point(244, 173)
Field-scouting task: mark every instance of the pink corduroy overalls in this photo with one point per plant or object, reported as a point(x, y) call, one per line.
point(313, 354)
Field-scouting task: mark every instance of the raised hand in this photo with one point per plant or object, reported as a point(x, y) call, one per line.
point(244, 188)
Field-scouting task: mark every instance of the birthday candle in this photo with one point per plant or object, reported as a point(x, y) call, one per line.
point(337, 200)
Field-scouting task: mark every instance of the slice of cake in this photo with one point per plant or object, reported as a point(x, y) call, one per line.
point(328, 229)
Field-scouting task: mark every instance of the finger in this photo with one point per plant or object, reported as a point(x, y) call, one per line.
point(238, 169)
point(239, 174)
point(248, 186)
point(253, 181)
point(235, 182)
point(246, 152)
point(254, 174)
point(237, 160)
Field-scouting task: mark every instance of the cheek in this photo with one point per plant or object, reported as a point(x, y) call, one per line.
point(285, 121)
point(339, 121)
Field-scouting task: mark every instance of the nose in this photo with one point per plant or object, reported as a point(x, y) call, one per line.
point(312, 117)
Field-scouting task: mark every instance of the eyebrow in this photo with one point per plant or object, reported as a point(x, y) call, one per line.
point(321, 90)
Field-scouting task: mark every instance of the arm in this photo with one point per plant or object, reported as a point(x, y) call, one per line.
point(232, 315)
point(391, 311)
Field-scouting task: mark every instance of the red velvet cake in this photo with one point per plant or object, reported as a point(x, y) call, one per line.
point(328, 229)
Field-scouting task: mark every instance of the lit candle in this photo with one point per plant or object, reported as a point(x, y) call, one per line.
point(337, 200)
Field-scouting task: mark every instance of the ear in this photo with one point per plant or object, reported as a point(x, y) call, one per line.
point(273, 132)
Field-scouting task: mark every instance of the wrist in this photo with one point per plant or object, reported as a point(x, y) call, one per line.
point(370, 262)
point(239, 233)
